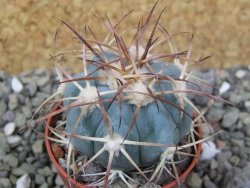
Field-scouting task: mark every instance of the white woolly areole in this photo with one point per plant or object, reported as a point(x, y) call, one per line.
point(114, 143)
point(132, 51)
point(88, 95)
point(169, 153)
point(134, 95)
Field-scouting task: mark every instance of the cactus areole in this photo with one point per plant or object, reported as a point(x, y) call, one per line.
point(130, 101)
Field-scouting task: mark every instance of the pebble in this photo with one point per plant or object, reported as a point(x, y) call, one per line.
point(223, 156)
point(215, 114)
point(27, 112)
point(240, 73)
point(59, 180)
point(247, 105)
point(16, 85)
point(44, 185)
point(47, 88)
point(246, 128)
point(230, 118)
point(4, 174)
point(46, 171)
point(234, 160)
point(50, 180)
point(32, 89)
point(14, 140)
point(9, 128)
point(209, 184)
point(39, 179)
point(237, 142)
point(5, 183)
point(29, 168)
point(20, 120)
point(247, 143)
point(42, 81)
point(13, 179)
point(4, 167)
point(239, 125)
point(212, 173)
point(3, 107)
point(18, 171)
point(9, 116)
point(235, 98)
point(5, 90)
point(224, 87)
point(193, 180)
point(3, 146)
point(37, 101)
point(209, 150)
point(227, 165)
point(13, 102)
point(62, 163)
point(37, 147)
point(238, 135)
point(11, 161)
point(213, 164)
point(247, 150)
point(23, 182)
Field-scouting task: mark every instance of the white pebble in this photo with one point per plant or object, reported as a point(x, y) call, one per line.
point(240, 73)
point(247, 104)
point(9, 128)
point(209, 150)
point(16, 85)
point(224, 87)
point(62, 163)
point(14, 140)
point(58, 180)
point(23, 181)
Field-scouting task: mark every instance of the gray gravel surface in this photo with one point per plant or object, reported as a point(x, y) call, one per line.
point(24, 162)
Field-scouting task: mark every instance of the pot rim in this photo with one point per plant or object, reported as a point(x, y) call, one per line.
point(72, 183)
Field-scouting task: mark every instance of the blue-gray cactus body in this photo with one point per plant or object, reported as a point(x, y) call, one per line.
point(155, 123)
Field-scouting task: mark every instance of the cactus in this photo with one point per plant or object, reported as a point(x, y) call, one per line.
point(128, 109)
point(137, 117)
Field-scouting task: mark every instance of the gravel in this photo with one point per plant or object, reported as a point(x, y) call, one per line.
point(24, 162)
point(230, 167)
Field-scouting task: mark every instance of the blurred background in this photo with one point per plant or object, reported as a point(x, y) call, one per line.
point(27, 27)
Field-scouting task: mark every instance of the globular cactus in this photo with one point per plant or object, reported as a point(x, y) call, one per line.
point(141, 114)
point(128, 109)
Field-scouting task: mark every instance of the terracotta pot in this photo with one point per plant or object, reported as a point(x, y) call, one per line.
point(71, 183)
